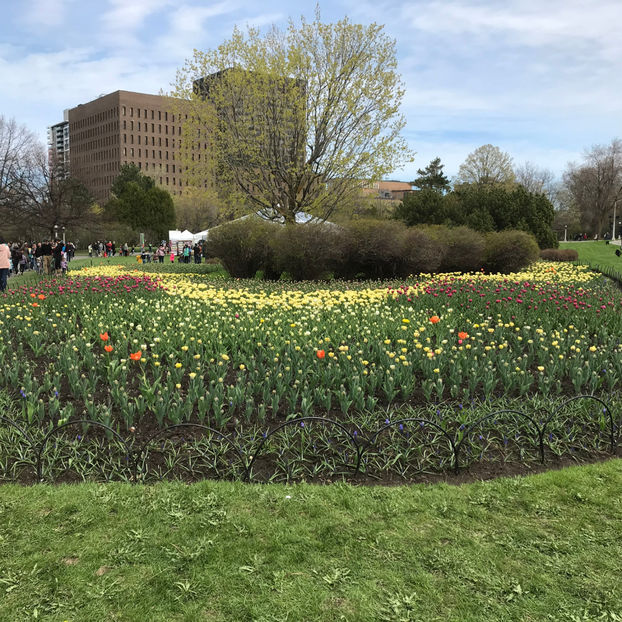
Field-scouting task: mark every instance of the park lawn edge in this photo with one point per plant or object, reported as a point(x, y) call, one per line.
point(542, 547)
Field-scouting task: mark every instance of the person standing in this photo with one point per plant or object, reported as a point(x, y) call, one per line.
point(46, 254)
point(5, 264)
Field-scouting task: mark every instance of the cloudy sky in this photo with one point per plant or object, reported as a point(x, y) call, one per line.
point(541, 79)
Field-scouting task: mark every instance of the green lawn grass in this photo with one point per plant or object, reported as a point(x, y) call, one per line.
point(597, 254)
point(545, 547)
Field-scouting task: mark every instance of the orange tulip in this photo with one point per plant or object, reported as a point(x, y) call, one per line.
point(41, 297)
point(463, 335)
point(135, 356)
point(320, 354)
point(108, 348)
point(34, 304)
point(33, 295)
point(104, 336)
point(435, 319)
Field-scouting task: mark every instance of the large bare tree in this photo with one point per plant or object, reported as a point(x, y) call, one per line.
point(596, 184)
point(536, 180)
point(44, 195)
point(17, 146)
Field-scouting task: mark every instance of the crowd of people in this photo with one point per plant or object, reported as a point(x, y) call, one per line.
point(47, 257)
point(184, 253)
point(53, 256)
point(149, 252)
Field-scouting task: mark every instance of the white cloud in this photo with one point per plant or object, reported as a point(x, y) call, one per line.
point(45, 13)
point(130, 15)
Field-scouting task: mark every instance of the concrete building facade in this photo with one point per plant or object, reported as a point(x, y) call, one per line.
point(121, 128)
point(58, 143)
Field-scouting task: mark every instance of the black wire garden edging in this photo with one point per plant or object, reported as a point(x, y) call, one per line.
point(352, 454)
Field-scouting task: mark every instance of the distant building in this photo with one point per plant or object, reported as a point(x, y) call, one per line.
point(58, 143)
point(390, 190)
point(121, 128)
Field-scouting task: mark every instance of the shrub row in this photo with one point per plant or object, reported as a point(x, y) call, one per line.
point(368, 249)
point(559, 254)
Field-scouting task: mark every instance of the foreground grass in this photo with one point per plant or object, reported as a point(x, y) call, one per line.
point(597, 254)
point(545, 547)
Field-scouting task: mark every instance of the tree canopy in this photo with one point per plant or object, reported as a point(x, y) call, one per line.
point(596, 184)
point(293, 121)
point(483, 208)
point(140, 204)
point(486, 165)
point(432, 177)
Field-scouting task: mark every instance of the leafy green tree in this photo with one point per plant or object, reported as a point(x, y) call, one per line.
point(140, 204)
point(130, 173)
point(294, 121)
point(499, 208)
point(432, 177)
point(487, 165)
point(426, 206)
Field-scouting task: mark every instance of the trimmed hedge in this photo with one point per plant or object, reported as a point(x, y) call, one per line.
point(307, 252)
point(559, 254)
point(243, 246)
point(509, 251)
point(364, 249)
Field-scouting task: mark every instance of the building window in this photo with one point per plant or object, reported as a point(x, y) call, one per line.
point(166, 116)
point(132, 139)
point(132, 152)
point(123, 110)
point(131, 111)
point(124, 151)
point(124, 138)
point(152, 114)
point(159, 115)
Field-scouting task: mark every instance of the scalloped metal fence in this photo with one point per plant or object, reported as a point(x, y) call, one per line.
point(308, 448)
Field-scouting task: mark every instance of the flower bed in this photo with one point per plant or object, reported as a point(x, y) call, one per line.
point(140, 352)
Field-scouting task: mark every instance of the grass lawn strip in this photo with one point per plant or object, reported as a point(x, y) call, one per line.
point(545, 547)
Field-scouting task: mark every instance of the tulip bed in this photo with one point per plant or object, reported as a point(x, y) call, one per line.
point(410, 366)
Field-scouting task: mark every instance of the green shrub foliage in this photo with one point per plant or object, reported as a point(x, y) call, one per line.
point(372, 249)
point(307, 252)
point(559, 254)
point(509, 251)
point(243, 246)
point(365, 248)
point(420, 253)
point(484, 208)
point(462, 248)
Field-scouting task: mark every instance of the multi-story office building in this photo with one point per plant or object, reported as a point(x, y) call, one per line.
point(121, 128)
point(58, 143)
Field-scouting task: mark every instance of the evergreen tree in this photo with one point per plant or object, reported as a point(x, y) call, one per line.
point(139, 203)
point(432, 177)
